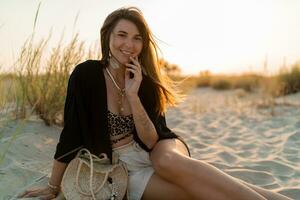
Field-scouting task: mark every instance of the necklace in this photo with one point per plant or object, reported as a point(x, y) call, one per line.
point(121, 91)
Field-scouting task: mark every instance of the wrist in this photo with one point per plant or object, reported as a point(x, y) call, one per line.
point(133, 99)
point(54, 188)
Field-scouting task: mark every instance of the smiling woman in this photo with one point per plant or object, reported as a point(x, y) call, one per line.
point(107, 111)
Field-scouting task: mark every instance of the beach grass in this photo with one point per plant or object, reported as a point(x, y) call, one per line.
point(285, 82)
point(42, 85)
point(43, 79)
point(39, 81)
point(42, 76)
point(7, 88)
point(290, 79)
point(248, 82)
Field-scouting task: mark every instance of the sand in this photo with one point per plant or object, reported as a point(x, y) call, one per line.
point(238, 132)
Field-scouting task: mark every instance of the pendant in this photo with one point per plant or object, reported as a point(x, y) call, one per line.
point(122, 93)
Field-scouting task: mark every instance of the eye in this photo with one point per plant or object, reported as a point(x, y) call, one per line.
point(138, 38)
point(121, 35)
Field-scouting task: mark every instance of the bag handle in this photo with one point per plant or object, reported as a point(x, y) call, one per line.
point(68, 153)
point(91, 174)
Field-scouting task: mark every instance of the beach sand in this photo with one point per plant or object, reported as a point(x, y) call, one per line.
point(238, 132)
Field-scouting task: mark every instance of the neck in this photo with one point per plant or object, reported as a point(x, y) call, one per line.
point(116, 68)
point(118, 74)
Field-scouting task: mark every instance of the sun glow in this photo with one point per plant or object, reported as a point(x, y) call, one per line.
point(230, 36)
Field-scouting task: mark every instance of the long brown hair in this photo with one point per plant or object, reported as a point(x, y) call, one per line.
point(166, 93)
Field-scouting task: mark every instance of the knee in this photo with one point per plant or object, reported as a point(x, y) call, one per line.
point(163, 161)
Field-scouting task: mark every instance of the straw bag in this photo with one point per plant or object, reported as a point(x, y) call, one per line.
point(90, 177)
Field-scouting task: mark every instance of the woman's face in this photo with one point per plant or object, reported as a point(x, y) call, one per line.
point(125, 41)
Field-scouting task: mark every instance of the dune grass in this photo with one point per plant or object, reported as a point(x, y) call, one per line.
point(290, 79)
point(285, 82)
point(9, 88)
point(38, 83)
point(247, 82)
point(43, 79)
point(8, 101)
point(40, 80)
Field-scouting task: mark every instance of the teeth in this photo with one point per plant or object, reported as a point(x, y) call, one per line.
point(126, 52)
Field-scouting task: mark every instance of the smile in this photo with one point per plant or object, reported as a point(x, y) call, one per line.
point(128, 53)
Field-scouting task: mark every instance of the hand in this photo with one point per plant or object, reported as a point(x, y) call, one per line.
point(132, 85)
point(44, 193)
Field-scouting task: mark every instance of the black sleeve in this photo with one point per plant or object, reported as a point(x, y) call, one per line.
point(158, 119)
point(70, 139)
point(165, 133)
point(149, 96)
point(162, 129)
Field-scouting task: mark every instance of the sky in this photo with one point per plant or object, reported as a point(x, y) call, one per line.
point(222, 36)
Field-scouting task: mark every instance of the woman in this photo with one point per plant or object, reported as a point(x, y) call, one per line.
point(117, 105)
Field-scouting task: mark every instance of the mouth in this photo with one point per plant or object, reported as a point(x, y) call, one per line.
point(127, 53)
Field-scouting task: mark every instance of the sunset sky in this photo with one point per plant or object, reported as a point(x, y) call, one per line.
point(223, 36)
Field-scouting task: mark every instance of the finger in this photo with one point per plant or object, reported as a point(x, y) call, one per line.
point(134, 67)
point(135, 61)
point(26, 192)
point(128, 65)
point(47, 197)
point(134, 71)
point(128, 70)
point(36, 193)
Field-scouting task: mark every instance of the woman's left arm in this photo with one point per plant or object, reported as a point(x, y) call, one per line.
point(144, 126)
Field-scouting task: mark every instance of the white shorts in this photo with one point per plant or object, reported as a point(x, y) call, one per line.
point(139, 168)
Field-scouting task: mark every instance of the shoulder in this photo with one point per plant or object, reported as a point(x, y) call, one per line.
point(87, 67)
point(86, 70)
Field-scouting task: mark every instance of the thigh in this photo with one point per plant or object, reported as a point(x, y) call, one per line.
point(170, 145)
point(182, 148)
point(171, 161)
point(158, 188)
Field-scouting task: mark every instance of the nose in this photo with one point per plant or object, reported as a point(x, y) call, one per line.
point(129, 43)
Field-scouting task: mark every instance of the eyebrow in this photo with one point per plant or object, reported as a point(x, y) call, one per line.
point(124, 32)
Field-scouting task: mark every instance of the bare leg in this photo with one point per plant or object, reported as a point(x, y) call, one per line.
point(197, 178)
point(158, 188)
point(268, 194)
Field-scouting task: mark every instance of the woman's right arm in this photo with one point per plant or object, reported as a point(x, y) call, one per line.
point(53, 188)
point(58, 170)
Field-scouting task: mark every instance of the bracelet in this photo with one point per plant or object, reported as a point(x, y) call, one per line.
point(53, 187)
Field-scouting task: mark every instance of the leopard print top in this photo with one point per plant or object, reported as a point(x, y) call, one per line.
point(119, 127)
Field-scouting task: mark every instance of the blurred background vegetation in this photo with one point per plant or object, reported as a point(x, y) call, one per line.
point(39, 81)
